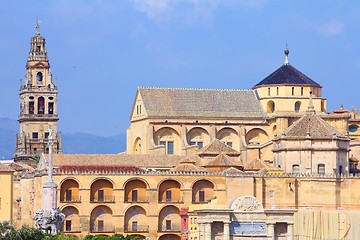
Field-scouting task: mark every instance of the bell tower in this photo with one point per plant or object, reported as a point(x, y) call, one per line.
point(38, 104)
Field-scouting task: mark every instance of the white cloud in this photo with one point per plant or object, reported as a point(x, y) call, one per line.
point(331, 28)
point(189, 10)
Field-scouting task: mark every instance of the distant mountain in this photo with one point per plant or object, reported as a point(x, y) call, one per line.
point(8, 130)
point(72, 143)
point(89, 143)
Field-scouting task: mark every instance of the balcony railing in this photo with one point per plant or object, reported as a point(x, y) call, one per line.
point(72, 200)
point(136, 200)
point(172, 228)
point(106, 199)
point(136, 228)
point(105, 229)
point(200, 202)
point(172, 200)
point(71, 229)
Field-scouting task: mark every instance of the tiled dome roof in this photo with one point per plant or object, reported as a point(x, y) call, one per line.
point(287, 75)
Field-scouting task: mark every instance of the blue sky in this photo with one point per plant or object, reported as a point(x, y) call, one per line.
point(101, 51)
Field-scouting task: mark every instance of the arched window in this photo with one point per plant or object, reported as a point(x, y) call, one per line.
point(41, 105)
point(39, 77)
point(302, 91)
point(292, 91)
point(297, 106)
point(268, 91)
point(271, 107)
point(321, 169)
point(296, 169)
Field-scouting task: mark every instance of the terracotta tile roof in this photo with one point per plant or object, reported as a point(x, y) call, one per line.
point(187, 165)
point(224, 161)
point(311, 126)
point(200, 103)
point(255, 165)
point(5, 168)
point(287, 75)
point(122, 159)
point(98, 167)
point(232, 170)
point(217, 147)
point(19, 167)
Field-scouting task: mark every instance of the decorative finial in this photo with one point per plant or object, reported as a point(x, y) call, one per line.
point(37, 26)
point(310, 108)
point(286, 51)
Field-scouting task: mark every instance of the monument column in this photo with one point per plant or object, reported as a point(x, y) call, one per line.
point(290, 228)
point(226, 235)
point(208, 231)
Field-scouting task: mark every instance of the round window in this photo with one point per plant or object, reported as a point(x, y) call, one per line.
point(353, 128)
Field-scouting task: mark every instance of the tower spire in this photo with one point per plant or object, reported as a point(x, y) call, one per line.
point(37, 26)
point(310, 108)
point(286, 51)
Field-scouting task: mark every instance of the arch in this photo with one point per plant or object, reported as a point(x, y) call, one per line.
point(101, 190)
point(202, 191)
point(135, 219)
point(229, 136)
point(72, 219)
point(69, 178)
point(321, 168)
point(41, 105)
point(39, 77)
point(101, 219)
point(169, 219)
point(270, 107)
point(137, 146)
point(169, 138)
point(198, 136)
point(70, 205)
point(296, 168)
point(135, 190)
point(256, 136)
point(136, 178)
point(170, 179)
point(169, 237)
point(297, 106)
point(104, 178)
point(69, 191)
point(169, 191)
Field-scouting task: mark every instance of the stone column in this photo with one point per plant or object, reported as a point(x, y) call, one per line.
point(226, 235)
point(200, 231)
point(290, 232)
point(270, 231)
point(207, 231)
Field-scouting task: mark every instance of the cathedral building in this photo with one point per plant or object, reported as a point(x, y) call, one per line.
point(201, 164)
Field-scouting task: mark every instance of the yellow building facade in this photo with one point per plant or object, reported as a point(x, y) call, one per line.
point(6, 193)
point(211, 164)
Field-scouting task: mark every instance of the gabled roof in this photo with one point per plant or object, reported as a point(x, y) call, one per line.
point(5, 168)
point(187, 165)
point(255, 165)
point(217, 147)
point(287, 75)
point(223, 160)
point(311, 126)
point(200, 103)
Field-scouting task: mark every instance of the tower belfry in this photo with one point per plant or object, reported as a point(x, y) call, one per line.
point(38, 104)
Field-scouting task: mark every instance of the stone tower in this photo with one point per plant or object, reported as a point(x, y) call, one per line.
point(38, 104)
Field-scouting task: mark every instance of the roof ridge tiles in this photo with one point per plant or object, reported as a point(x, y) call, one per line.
point(207, 89)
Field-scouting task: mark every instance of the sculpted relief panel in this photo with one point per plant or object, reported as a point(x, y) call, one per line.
point(246, 204)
